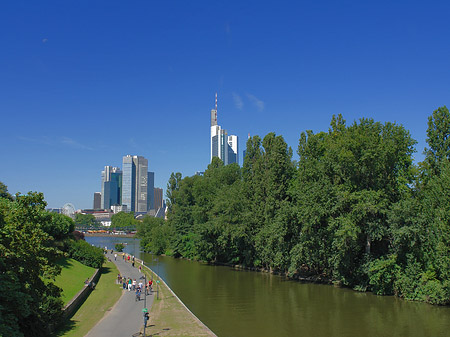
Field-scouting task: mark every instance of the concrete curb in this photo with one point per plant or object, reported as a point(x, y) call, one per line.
point(178, 299)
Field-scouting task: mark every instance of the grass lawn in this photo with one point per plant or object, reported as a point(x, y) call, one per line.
point(101, 300)
point(72, 277)
point(168, 317)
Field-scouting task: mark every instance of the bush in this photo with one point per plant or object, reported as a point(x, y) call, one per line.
point(86, 254)
point(382, 275)
point(119, 247)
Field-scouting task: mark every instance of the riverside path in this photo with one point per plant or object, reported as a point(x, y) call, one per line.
point(126, 317)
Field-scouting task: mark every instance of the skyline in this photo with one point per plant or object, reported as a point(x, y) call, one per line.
point(84, 84)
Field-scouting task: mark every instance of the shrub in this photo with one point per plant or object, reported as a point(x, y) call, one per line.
point(119, 247)
point(86, 254)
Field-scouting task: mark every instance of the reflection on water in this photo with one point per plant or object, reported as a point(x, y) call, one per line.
point(242, 303)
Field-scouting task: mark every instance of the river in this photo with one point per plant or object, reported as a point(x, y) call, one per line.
point(236, 303)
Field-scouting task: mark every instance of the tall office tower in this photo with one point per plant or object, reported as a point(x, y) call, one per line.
point(135, 183)
point(97, 200)
point(111, 187)
point(222, 146)
point(158, 198)
point(215, 133)
point(233, 149)
point(150, 191)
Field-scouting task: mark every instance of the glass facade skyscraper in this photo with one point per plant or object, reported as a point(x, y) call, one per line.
point(128, 186)
point(135, 183)
point(111, 187)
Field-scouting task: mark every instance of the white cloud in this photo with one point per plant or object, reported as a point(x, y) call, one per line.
point(238, 101)
point(44, 40)
point(256, 101)
point(43, 140)
point(74, 144)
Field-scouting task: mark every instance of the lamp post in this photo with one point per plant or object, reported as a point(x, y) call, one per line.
point(157, 278)
point(145, 310)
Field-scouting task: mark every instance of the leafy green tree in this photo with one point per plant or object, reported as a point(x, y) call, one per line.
point(60, 226)
point(4, 192)
point(154, 234)
point(85, 220)
point(123, 219)
point(119, 247)
point(438, 138)
point(27, 262)
point(172, 187)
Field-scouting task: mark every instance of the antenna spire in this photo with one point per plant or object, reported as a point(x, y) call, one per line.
point(216, 102)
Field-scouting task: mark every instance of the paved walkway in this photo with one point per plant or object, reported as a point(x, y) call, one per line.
point(126, 317)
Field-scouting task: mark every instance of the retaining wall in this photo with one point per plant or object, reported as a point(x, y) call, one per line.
point(75, 302)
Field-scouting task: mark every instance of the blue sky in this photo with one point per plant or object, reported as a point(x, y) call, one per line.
point(83, 83)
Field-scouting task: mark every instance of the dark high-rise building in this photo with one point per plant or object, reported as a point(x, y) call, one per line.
point(150, 191)
point(158, 198)
point(97, 200)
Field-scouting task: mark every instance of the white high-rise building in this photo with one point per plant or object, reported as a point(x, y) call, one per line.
point(233, 149)
point(222, 146)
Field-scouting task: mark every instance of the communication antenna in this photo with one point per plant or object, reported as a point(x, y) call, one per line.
point(216, 102)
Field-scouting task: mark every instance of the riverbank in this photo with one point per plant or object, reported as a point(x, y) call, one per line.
point(169, 316)
point(132, 236)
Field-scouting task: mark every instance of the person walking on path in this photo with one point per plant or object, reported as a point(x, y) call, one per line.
point(138, 294)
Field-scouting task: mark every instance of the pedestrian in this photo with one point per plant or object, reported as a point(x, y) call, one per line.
point(140, 284)
point(138, 294)
point(115, 257)
point(140, 268)
point(129, 284)
point(119, 279)
point(134, 284)
point(124, 283)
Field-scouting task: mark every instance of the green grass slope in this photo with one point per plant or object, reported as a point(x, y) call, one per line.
point(72, 277)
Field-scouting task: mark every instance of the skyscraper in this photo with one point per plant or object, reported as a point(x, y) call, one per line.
point(97, 200)
point(150, 191)
point(111, 187)
point(222, 146)
point(135, 183)
point(158, 198)
point(233, 149)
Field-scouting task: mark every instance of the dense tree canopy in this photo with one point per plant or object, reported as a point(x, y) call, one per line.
point(353, 210)
point(31, 242)
point(85, 220)
point(27, 261)
point(123, 219)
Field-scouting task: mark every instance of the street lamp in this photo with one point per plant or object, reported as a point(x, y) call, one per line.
point(145, 310)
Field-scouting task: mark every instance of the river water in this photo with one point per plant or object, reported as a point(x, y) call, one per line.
point(242, 303)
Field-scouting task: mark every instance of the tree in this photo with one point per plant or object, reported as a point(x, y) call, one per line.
point(438, 138)
point(4, 192)
point(123, 219)
point(85, 220)
point(27, 264)
point(60, 226)
point(172, 187)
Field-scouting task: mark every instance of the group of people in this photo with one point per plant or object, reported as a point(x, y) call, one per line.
point(132, 285)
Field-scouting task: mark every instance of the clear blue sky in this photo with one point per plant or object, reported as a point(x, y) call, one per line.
point(83, 83)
